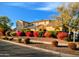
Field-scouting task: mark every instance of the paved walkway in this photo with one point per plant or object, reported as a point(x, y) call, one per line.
point(11, 50)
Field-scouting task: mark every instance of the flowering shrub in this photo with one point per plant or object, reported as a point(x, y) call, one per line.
point(1, 31)
point(62, 35)
point(29, 34)
point(47, 34)
point(18, 33)
point(36, 34)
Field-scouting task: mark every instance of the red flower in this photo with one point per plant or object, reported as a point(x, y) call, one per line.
point(1, 33)
point(18, 33)
point(47, 34)
point(62, 35)
point(28, 34)
point(36, 34)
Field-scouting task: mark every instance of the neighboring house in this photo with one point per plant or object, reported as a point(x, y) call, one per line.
point(22, 24)
point(42, 24)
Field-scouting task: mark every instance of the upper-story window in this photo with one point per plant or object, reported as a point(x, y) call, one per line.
point(47, 22)
point(18, 23)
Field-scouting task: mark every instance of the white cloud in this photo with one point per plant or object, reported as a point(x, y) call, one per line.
point(43, 8)
point(13, 27)
point(49, 6)
point(18, 4)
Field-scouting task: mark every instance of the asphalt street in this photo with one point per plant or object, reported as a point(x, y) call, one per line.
point(11, 50)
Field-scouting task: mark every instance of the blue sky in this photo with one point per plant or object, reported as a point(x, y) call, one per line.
point(28, 11)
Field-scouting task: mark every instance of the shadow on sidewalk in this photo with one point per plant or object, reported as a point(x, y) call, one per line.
point(62, 46)
point(77, 49)
point(35, 43)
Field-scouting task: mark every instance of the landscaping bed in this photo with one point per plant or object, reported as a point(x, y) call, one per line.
point(60, 48)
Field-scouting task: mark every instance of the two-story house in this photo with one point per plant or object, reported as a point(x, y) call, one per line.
point(49, 25)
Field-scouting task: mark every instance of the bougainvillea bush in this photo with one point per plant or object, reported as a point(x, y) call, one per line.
point(35, 34)
point(62, 35)
point(47, 34)
point(1, 31)
point(18, 33)
point(28, 34)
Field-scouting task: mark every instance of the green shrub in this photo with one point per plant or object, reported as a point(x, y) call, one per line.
point(41, 33)
point(23, 33)
point(7, 33)
point(54, 33)
point(25, 30)
point(13, 33)
point(68, 39)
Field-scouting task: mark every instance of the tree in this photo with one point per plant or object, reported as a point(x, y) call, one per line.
point(74, 12)
point(69, 14)
point(5, 23)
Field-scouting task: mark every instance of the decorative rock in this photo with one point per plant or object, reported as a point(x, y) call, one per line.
point(27, 41)
point(72, 46)
point(5, 38)
point(54, 43)
point(11, 39)
point(19, 40)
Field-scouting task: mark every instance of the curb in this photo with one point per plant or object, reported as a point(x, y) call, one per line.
point(41, 49)
point(50, 42)
point(41, 42)
point(47, 42)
